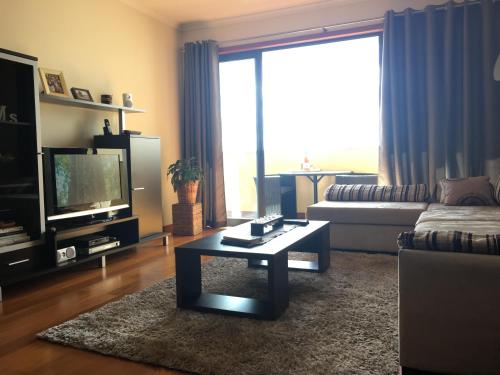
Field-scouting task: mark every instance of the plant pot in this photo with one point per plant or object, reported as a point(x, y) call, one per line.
point(187, 193)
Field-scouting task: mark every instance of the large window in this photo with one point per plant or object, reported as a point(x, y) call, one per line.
point(238, 112)
point(317, 100)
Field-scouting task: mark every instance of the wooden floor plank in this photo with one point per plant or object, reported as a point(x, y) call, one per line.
point(35, 305)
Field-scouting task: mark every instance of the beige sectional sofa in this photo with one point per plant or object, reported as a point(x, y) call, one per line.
point(449, 301)
point(367, 226)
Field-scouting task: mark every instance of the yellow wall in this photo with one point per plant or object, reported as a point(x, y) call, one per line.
point(106, 47)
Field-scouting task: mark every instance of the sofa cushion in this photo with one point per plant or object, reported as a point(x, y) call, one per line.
point(471, 191)
point(467, 226)
point(442, 213)
point(451, 240)
point(382, 213)
point(376, 193)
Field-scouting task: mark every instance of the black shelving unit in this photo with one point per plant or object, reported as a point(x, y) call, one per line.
point(21, 179)
point(21, 187)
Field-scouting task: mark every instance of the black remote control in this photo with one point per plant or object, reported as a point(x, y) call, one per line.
point(299, 222)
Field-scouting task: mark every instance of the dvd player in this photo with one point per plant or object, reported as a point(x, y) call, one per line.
point(97, 249)
point(92, 240)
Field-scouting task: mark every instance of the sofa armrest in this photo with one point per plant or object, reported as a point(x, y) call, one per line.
point(449, 312)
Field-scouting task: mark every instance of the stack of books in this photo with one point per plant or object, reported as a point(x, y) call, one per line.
point(11, 233)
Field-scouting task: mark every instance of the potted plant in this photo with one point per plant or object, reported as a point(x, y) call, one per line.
point(186, 176)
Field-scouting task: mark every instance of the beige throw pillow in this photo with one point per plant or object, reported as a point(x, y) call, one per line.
point(471, 191)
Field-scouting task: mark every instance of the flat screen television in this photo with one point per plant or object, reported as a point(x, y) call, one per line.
point(84, 181)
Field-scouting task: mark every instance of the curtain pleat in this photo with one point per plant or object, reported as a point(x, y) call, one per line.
point(202, 134)
point(440, 107)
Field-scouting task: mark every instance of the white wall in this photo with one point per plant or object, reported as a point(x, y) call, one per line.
point(298, 18)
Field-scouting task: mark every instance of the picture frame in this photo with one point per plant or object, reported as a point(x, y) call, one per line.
point(53, 82)
point(81, 94)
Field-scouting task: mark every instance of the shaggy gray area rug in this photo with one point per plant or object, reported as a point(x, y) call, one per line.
point(341, 322)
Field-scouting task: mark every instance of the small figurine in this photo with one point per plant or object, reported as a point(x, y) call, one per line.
point(127, 100)
point(306, 166)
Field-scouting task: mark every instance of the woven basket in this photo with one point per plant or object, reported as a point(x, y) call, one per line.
point(187, 193)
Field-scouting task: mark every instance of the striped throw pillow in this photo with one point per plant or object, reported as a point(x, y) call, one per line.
point(376, 193)
point(451, 241)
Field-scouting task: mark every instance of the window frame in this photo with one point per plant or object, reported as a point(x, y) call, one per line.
point(256, 55)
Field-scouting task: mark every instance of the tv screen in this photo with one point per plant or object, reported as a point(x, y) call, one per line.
point(81, 181)
point(87, 179)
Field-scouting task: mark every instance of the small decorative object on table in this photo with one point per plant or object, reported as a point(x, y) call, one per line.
point(81, 94)
point(306, 165)
point(106, 99)
point(53, 82)
point(263, 225)
point(127, 100)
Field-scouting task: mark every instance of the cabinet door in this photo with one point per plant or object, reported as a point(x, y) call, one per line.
point(146, 184)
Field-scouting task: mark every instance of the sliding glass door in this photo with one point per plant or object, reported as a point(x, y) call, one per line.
point(319, 101)
point(239, 141)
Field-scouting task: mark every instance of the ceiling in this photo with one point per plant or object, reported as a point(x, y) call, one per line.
point(177, 12)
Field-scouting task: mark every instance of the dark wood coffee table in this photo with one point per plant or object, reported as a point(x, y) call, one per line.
point(313, 238)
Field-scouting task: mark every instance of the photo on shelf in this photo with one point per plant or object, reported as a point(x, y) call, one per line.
point(81, 94)
point(53, 82)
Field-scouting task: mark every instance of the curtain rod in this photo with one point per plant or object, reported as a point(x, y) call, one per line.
point(327, 28)
point(302, 31)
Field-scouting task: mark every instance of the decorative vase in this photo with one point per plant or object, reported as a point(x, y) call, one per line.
point(127, 100)
point(187, 193)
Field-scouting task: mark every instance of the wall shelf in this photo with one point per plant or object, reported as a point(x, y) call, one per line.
point(85, 104)
point(92, 105)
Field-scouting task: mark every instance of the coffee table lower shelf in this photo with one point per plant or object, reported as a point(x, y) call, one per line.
point(293, 265)
point(229, 305)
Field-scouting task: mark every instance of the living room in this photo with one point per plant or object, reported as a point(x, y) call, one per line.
point(234, 187)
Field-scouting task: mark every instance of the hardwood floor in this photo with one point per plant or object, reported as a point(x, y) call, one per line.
point(35, 305)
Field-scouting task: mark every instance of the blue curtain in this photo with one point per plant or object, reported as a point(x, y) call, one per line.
point(201, 125)
point(440, 106)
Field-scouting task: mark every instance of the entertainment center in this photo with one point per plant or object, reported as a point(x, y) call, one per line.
point(61, 207)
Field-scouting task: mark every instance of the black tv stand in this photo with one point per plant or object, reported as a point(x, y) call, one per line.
point(126, 230)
